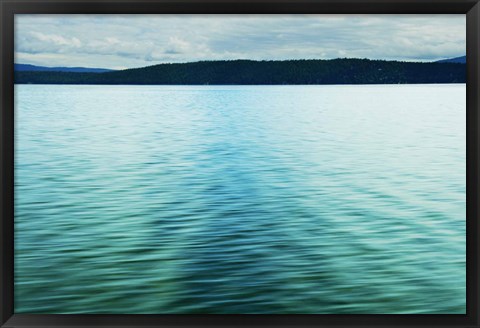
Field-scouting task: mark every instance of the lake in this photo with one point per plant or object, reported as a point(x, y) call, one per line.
point(240, 199)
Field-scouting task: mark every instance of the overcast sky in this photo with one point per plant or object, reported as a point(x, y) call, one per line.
point(125, 41)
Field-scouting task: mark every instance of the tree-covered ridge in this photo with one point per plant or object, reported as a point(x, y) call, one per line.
point(335, 71)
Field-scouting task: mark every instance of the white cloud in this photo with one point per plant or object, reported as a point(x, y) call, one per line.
point(57, 40)
point(139, 40)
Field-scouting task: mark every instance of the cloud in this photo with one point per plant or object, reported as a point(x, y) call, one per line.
point(177, 46)
point(115, 41)
point(38, 42)
point(57, 40)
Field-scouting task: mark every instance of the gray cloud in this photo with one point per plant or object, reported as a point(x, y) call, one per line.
point(121, 41)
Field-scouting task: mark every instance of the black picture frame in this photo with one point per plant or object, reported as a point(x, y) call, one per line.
point(10, 7)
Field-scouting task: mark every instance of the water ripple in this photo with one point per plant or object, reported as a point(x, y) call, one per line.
point(240, 199)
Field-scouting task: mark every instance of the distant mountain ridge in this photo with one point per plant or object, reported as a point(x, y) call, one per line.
point(34, 68)
point(250, 72)
point(458, 60)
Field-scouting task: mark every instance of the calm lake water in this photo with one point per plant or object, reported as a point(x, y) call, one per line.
point(240, 199)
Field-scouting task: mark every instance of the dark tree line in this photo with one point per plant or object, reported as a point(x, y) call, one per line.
point(335, 71)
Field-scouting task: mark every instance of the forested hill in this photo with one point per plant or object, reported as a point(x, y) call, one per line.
point(335, 71)
point(35, 68)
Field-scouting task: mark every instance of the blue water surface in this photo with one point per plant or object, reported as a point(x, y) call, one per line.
point(240, 199)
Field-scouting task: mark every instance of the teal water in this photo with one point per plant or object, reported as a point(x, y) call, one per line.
point(240, 199)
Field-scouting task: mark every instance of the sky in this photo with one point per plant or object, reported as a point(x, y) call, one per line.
point(127, 41)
